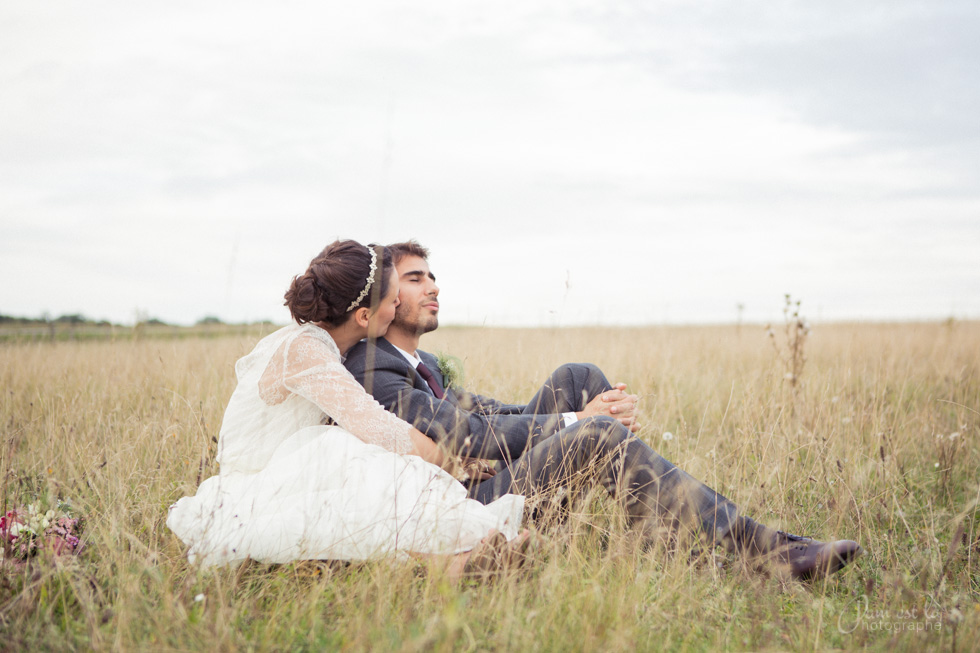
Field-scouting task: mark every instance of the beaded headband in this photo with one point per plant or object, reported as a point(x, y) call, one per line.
point(370, 280)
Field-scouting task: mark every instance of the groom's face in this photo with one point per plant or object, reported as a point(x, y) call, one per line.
point(418, 310)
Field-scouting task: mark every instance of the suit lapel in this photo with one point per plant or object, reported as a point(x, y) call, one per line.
point(433, 364)
point(417, 381)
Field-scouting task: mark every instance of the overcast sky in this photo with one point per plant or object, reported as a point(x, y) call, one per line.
point(566, 162)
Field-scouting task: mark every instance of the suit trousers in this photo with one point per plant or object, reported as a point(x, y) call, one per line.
point(600, 451)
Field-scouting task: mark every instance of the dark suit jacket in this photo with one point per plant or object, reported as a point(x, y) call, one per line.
point(467, 423)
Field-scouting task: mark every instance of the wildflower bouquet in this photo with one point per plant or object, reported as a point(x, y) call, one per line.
point(26, 530)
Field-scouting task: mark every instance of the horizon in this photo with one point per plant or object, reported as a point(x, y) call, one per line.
point(209, 320)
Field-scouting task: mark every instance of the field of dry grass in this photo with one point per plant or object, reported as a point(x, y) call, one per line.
point(877, 443)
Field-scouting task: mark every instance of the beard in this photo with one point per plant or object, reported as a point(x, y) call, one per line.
point(418, 324)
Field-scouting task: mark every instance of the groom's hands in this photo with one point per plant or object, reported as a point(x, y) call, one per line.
point(614, 403)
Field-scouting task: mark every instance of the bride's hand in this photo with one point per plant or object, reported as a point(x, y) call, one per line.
point(478, 469)
point(463, 468)
point(460, 468)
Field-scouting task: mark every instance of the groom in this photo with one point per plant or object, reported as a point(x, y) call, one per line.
point(577, 428)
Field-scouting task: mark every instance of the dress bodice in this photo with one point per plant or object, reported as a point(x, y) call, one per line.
point(289, 381)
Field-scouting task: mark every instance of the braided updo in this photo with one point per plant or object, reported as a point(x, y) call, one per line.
point(334, 279)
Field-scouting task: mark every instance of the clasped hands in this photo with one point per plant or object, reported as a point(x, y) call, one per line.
point(615, 403)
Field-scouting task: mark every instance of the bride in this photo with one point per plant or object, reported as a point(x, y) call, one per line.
point(312, 467)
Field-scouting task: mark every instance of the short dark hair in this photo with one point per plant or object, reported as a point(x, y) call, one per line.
point(334, 279)
point(407, 248)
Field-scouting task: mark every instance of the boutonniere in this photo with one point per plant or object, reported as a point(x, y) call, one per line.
point(451, 369)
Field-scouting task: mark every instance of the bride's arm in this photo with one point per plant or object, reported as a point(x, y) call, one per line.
point(461, 468)
point(426, 449)
point(315, 373)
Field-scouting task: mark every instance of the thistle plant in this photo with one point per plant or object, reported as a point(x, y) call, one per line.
point(797, 329)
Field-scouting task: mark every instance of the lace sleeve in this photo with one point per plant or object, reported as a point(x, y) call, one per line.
point(311, 368)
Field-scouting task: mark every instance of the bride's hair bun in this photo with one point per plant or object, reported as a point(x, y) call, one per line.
point(336, 278)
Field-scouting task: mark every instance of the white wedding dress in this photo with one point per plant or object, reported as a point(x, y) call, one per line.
point(291, 488)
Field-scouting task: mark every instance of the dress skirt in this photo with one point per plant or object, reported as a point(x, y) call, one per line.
point(325, 494)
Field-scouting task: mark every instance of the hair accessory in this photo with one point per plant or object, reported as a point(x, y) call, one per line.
point(370, 280)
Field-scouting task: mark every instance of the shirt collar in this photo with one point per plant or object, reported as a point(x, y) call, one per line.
point(413, 360)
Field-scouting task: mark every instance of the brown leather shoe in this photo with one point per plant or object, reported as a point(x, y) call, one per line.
point(806, 558)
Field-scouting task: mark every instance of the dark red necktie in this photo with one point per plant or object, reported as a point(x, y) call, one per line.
point(426, 374)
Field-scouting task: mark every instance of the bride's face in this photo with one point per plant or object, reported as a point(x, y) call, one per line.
point(381, 318)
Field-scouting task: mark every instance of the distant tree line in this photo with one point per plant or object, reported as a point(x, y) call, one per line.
point(74, 326)
point(76, 319)
point(72, 319)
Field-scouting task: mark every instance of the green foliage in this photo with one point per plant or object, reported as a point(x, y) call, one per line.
point(451, 368)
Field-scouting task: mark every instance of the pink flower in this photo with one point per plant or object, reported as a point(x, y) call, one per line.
point(54, 530)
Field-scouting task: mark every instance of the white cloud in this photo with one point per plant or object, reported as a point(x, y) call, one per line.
point(189, 158)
